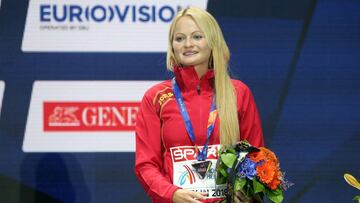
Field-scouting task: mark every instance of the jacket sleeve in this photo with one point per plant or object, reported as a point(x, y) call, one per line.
point(249, 120)
point(149, 163)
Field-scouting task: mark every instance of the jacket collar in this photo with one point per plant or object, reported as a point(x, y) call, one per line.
point(188, 79)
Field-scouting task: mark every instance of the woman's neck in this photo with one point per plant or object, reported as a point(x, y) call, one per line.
point(201, 70)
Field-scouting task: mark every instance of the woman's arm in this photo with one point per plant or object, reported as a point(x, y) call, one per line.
point(149, 163)
point(249, 120)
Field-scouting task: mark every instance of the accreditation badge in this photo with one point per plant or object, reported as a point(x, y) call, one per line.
point(199, 176)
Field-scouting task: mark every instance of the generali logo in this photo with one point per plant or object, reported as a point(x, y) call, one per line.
point(95, 116)
point(90, 116)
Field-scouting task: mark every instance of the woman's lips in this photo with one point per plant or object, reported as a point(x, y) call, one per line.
point(189, 53)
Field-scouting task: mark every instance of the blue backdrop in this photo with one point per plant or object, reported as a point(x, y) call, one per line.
point(300, 58)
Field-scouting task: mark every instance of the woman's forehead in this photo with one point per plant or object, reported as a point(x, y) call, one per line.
point(186, 24)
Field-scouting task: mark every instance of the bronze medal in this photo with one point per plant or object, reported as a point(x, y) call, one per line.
point(201, 168)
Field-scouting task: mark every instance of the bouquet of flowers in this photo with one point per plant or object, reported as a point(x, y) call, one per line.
point(250, 174)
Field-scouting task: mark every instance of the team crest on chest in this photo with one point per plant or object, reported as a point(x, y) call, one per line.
point(163, 96)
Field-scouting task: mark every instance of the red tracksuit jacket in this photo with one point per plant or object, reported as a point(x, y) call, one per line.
point(160, 126)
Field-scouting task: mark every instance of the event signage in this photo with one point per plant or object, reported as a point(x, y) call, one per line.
point(95, 116)
point(100, 26)
point(2, 88)
point(90, 116)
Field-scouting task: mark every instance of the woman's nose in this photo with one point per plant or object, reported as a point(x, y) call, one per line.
point(188, 42)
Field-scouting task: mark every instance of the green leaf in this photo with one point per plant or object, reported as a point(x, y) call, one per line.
point(249, 189)
point(239, 184)
point(221, 180)
point(357, 198)
point(276, 199)
point(258, 187)
point(259, 197)
point(231, 150)
point(228, 159)
point(223, 171)
point(277, 191)
point(275, 196)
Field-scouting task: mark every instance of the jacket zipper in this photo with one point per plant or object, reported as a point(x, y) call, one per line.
point(200, 113)
point(198, 89)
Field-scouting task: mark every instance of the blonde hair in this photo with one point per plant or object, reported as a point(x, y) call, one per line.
point(219, 61)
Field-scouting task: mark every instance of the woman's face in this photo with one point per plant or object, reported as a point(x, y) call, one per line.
point(189, 44)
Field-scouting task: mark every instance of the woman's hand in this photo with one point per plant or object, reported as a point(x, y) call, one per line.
point(183, 195)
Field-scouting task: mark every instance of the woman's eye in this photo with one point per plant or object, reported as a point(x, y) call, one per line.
point(198, 37)
point(179, 39)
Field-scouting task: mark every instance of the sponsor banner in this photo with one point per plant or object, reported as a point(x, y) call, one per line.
point(83, 116)
point(90, 116)
point(100, 26)
point(2, 88)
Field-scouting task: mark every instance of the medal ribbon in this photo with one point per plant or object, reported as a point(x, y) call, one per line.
point(201, 155)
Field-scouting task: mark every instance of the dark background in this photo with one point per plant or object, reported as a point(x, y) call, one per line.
point(300, 58)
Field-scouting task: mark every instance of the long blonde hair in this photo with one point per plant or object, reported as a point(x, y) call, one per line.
point(219, 61)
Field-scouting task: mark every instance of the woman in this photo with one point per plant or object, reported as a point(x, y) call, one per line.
point(183, 121)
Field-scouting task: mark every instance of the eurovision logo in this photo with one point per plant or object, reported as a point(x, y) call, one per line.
point(100, 26)
point(90, 116)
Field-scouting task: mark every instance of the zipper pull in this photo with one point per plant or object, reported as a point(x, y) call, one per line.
point(198, 89)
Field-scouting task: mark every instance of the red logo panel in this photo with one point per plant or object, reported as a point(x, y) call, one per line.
point(90, 116)
point(188, 153)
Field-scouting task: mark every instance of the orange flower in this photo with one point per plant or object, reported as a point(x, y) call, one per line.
point(266, 171)
point(275, 182)
point(264, 154)
point(256, 156)
point(269, 155)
